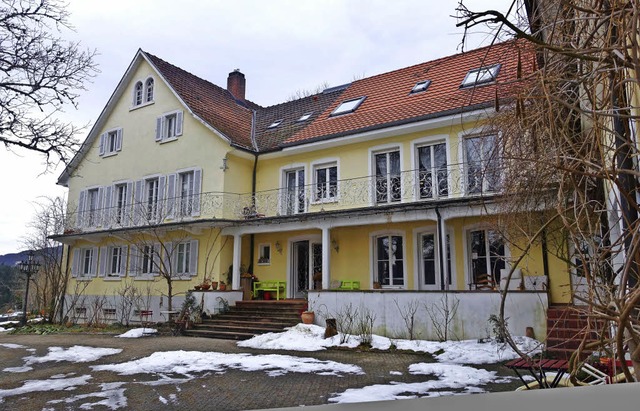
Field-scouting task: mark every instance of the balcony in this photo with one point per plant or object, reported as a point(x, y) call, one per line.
point(371, 191)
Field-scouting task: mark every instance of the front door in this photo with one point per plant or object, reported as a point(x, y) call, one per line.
point(306, 259)
point(430, 277)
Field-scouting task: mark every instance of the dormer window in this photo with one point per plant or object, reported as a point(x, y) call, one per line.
point(348, 106)
point(148, 90)
point(481, 75)
point(276, 123)
point(420, 86)
point(137, 94)
point(304, 117)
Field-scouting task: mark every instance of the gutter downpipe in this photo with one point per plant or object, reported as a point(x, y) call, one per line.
point(253, 189)
point(442, 252)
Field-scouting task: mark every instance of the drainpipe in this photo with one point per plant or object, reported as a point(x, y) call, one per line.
point(441, 247)
point(64, 291)
point(253, 203)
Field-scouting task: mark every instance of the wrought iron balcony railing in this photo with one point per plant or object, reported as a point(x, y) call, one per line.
point(370, 191)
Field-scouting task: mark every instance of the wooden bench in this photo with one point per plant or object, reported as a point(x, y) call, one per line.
point(276, 286)
point(349, 285)
point(538, 369)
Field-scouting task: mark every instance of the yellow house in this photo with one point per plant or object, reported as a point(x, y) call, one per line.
point(380, 193)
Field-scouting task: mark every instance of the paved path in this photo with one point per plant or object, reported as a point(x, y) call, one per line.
point(231, 390)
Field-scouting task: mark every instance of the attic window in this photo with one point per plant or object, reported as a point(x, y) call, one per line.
point(481, 75)
point(348, 106)
point(305, 117)
point(275, 123)
point(420, 86)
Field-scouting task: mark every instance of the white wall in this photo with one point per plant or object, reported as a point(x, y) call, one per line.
point(523, 309)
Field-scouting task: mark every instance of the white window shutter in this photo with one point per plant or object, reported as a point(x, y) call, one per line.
point(103, 261)
point(128, 202)
point(101, 207)
point(159, 124)
point(94, 262)
point(197, 188)
point(119, 140)
point(103, 137)
point(134, 260)
point(108, 206)
point(81, 205)
point(193, 258)
point(138, 206)
point(156, 259)
point(171, 195)
point(123, 260)
point(161, 195)
point(75, 266)
point(179, 119)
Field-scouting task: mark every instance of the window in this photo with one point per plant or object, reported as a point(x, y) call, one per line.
point(348, 106)
point(420, 86)
point(304, 117)
point(387, 184)
point(152, 193)
point(93, 204)
point(109, 313)
point(148, 259)
point(137, 94)
point(481, 75)
point(487, 254)
point(148, 90)
point(121, 192)
point(183, 258)
point(275, 124)
point(430, 261)
point(389, 260)
point(326, 182)
point(115, 262)
point(186, 193)
point(294, 201)
point(264, 254)
point(169, 126)
point(432, 171)
point(110, 142)
point(482, 163)
point(87, 263)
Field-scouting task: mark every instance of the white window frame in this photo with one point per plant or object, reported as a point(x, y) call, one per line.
point(348, 106)
point(463, 160)
point(92, 214)
point(88, 255)
point(382, 149)
point(283, 197)
point(185, 201)
point(275, 123)
point(122, 212)
point(151, 209)
point(418, 268)
point(415, 160)
point(261, 259)
point(138, 94)
point(120, 264)
point(171, 126)
point(373, 252)
point(182, 268)
point(467, 250)
point(476, 76)
point(325, 164)
point(306, 116)
point(420, 87)
point(149, 265)
point(149, 87)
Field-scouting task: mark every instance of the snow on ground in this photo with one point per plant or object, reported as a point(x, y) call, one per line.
point(12, 346)
point(77, 353)
point(51, 384)
point(304, 337)
point(112, 394)
point(138, 332)
point(187, 362)
point(2, 330)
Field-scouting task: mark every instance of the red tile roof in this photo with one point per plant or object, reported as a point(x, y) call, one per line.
point(389, 102)
point(211, 103)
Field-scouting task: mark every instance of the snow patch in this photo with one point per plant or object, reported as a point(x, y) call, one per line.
point(138, 332)
point(52, 384)
point(77, 353)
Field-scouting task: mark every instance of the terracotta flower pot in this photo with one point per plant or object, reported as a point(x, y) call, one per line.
point(214, 285)
point(222, 287)
point(308, 317)
point(206, 286)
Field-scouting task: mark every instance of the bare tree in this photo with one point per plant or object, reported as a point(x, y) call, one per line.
point(570, 149)
point(39, 74)
point(49, 283)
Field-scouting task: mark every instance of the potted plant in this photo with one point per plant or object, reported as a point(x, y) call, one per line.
point(214, 285)
point(308, 316)
point(222, 286)
point(206, 284)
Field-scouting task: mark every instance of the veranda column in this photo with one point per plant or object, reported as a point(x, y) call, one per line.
point(326, 258)
point(237, 254)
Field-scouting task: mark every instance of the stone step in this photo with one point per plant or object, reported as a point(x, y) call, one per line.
point(222, 335)
point(252, 321)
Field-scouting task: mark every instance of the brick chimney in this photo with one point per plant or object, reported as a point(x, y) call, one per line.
point(236, 84)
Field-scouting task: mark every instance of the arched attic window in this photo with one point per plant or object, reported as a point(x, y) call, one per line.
point(137, 94)
point(149, 90)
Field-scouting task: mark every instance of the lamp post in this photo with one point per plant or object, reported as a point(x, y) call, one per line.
point(29, 267)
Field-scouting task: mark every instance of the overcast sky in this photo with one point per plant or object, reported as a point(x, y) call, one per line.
point(280, 45)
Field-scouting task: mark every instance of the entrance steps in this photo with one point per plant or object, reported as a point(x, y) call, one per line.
point(249, 318)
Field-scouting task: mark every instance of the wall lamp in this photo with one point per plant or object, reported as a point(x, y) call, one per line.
point(278, 247)
point(335, 245)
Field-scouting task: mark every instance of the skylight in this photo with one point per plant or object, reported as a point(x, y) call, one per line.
point(420, 86)
point(481, 75)
point(275, 123)
point(348, 106)
point(305, 116)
